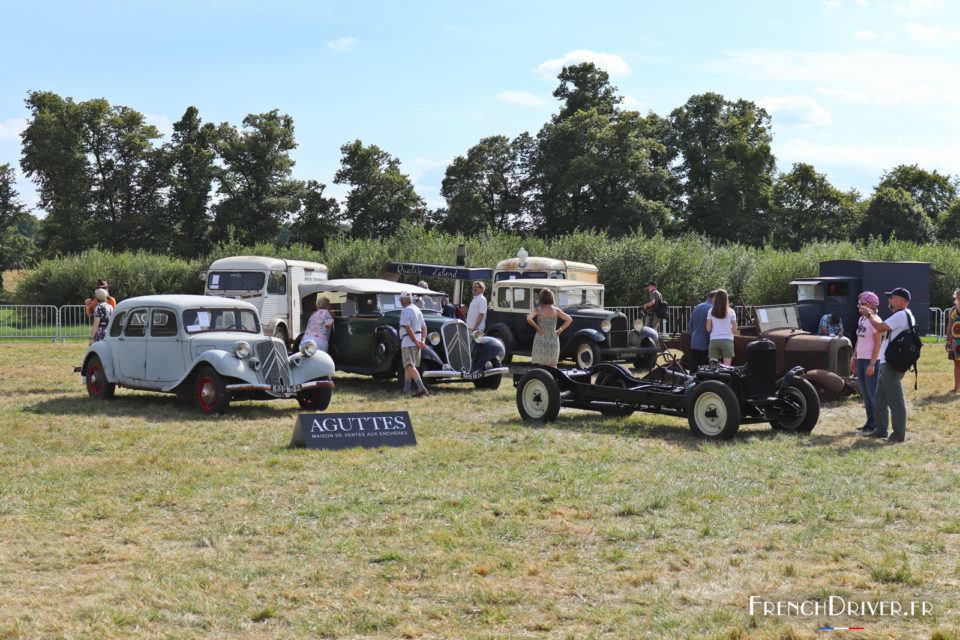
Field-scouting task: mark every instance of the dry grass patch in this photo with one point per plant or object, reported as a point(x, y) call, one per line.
point(136, 517)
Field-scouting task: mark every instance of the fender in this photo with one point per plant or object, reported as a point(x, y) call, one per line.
point(105, 353)
point(484, 350)
point(304, 369)
point(429, 354)
point(593, 334)
point(226, 364)
point(503, 330)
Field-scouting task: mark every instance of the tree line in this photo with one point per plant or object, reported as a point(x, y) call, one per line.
point(105, 179)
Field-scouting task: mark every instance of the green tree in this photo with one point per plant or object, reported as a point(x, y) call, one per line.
point(257, 192)
point(381, 196)
point(593, 171)
point(318, 219)
point(12, 211)
point(948, 227)
point(53, 157)
point(192, 157)
point(483, 189)
point(726, 167)
point(895, 212)
point(935, 193)
point(806, 208)
point(584, 87)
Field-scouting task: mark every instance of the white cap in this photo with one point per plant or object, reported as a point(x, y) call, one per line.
point(405, 295)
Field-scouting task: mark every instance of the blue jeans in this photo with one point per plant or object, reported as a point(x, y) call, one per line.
point(889, 396)
point(868, 388)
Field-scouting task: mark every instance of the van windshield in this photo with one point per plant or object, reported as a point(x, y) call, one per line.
point(580, 297)
point(235, 280)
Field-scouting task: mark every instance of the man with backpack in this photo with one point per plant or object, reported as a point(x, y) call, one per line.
point(656, 309)
point(900, 345)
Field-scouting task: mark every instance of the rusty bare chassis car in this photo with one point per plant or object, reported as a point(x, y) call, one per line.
point(716, 400)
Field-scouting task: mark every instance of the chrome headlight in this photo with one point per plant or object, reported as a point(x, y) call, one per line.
point(637, 324)
point(477, 335)
point(242, 349)
point(308, 348)
point(434, 338)
point(605, 326)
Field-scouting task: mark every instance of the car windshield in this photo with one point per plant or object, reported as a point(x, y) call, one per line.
point(391, 302)
point(203, 320)
point(580, 297)
point(235, 280)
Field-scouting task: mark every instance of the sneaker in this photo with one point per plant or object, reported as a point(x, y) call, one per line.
point(894, 438)
point(421, 394)
point(875, 434)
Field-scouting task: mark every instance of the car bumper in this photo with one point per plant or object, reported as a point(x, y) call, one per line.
point(465, 376)
point(284, 391)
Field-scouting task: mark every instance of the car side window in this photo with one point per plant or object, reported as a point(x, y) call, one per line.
point(277, 285)
point(348, 308)
point(503, 297)
point(117, 325)
point(163, 324)
point(521, 299)
point(136, 324)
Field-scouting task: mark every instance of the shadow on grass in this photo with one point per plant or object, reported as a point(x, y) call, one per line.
point(944, 398)
point(159, 407)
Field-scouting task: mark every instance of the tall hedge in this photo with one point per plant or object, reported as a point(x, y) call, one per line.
point(686, 267)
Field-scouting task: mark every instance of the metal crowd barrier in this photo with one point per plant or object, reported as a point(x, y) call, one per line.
point(677, 320)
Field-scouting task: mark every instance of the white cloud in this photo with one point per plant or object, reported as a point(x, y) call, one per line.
point(922, 33)
point(883, 79)
point(864, 34)
point(796, 111)
point(914, 7)
point(162, 123)
point(609, 62)
point(863, 3)
point(830, 5)
point(631, 103)
point(11, 129)
point(343, 44)
point(521, 97)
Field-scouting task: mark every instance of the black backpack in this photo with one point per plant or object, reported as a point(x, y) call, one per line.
point(661, 308)
point(904, 350)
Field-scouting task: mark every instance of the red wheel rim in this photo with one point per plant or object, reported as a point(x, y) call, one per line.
point(207, 393)
point(95, 379)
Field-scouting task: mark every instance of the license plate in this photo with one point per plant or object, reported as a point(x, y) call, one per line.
point(472, 376)
point(280, 388)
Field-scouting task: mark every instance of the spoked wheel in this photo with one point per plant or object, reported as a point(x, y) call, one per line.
point(801, 392)
point(97, 385)
point(613, 380)
point(538, 396)
point(713, 410)
point(316, 399)
point(490, 382)
point(210, 391)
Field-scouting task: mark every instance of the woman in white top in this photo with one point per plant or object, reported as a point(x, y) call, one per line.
point(721, 324)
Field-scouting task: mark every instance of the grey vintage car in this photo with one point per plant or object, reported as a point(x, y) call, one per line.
point(206, 348)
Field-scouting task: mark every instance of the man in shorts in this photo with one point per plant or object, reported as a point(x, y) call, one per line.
point(413, 332)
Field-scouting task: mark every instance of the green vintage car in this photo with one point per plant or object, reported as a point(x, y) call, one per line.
point(366, 335)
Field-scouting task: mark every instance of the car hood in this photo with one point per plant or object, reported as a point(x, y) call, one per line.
point(589, 312)
point(225, 340)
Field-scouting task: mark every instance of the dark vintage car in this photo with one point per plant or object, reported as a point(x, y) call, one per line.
point(366, 336)
point(825, 358)
point(596, 335)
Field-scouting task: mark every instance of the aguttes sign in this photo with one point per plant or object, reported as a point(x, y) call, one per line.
point(344, 430)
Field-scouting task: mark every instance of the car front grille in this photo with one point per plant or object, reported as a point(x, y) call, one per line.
point(274, 368)
point(618, 331)
point(457, 343)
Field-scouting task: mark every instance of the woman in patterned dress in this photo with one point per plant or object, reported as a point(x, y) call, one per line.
point(320, 325)
point(546, 344)
point(953, 340)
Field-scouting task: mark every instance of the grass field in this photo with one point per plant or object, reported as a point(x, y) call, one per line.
point(137, 518)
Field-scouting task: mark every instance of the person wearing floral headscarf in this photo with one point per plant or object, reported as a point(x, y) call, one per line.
point(953, 340)
point(867, 353)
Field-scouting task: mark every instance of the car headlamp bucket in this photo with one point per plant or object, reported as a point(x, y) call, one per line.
point(605, 326)
point(477, 335)
point(308, 348)
point(638, 324)
point(242, 349)
point(434, 338)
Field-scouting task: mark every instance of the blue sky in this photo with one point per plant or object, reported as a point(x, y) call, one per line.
point(854, 87)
